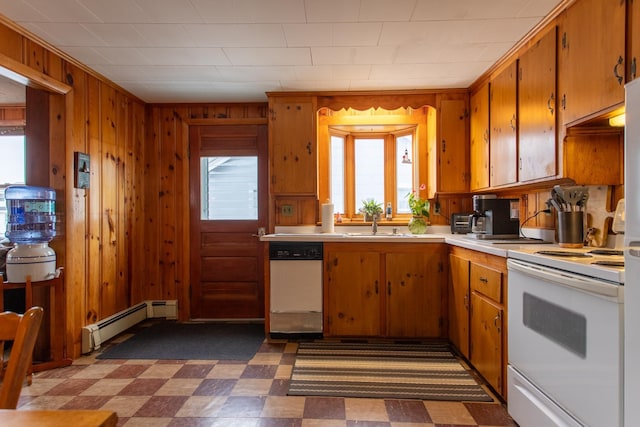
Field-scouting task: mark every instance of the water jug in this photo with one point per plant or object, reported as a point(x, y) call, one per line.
point(31, 214)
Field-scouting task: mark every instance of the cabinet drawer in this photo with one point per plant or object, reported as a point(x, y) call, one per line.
point(486, 281)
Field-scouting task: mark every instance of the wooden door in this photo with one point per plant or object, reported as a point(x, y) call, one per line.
point(414, 292)
point(352, 297)
point(537, 110)
point(480, 138)
point(459, 303)
point(486, 340)
point(592, 59)
point(229, 204)
point(503, 145)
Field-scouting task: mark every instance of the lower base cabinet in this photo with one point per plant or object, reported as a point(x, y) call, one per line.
point(477, 312)
point(385, 290)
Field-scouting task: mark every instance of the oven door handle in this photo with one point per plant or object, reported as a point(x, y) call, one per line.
point(586, 284)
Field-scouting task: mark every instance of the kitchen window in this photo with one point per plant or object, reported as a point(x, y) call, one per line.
point(12, 153)
point(374, 166)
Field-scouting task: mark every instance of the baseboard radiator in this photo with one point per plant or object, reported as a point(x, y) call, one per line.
point(95, 334)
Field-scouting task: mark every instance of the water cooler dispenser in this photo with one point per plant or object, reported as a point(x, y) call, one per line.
point(31, 224)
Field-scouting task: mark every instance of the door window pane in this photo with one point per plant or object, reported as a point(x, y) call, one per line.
point(229, 188)
point(404, 172)
point(337, 173)
point(369, 170)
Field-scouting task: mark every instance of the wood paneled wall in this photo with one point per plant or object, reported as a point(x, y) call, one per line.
point(97, 241)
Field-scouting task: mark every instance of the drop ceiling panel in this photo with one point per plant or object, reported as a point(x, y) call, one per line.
point(237, 35)
point(161, 50)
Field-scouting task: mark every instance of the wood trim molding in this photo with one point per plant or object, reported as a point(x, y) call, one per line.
point(23, 74)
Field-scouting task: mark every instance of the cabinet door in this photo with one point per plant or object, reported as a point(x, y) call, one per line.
point(480, 138)
point(414, 293)
point(353, 293)
point(486, 340)
point(459, 303)
point(453, 151)
point(633, 33)
point(592, 64)
point(502, 105)
point(537, 110)
point(293, 146)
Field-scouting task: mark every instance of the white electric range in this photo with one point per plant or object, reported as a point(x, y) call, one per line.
point(566, 335)
point(600, 263)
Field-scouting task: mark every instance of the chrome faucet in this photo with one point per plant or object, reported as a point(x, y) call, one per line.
point(374, 226)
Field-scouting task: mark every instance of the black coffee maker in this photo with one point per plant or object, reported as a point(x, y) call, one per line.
point(494, 218)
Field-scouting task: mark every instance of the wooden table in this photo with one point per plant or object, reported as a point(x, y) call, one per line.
point(57, 418)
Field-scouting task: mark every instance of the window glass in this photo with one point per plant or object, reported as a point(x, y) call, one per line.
point(369, 170)
point(229, 188)
point(12, 153)
point(404, 172)
point(337, 173)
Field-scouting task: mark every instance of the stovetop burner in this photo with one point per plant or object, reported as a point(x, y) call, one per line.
point(565, 254)
point(606, 252)
point(609, 263)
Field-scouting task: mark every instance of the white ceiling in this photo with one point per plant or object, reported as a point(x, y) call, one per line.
point(236, 50)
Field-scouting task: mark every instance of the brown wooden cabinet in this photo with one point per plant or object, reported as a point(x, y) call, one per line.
point(449, 154)
point(592, 58)
point(503, 136)
point(458, 303)
point(479, 123)
point(537, 110)
point(477, 312)
point(292, 142)
point(633, 34)
point(385, 289)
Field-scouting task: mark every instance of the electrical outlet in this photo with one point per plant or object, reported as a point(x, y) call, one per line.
point(436, 208)
point(286, 210)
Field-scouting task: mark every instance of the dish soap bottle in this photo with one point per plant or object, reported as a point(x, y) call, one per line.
point(388, 212)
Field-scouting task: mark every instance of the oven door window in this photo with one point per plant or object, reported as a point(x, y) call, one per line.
point(562, 326)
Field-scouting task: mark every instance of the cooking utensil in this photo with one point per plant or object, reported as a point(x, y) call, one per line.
point(555, 204)
point(558, 202)
point(560, 196)
point(573, 195)
point(582, 204)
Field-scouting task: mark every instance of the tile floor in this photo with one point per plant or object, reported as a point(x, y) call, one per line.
point(178, 393)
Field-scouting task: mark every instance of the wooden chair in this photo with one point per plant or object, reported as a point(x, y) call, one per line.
point(22, 329)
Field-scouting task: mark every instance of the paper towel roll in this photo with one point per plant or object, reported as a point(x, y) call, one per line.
point(327, 218)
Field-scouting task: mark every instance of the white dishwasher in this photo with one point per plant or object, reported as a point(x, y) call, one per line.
point(295, 303)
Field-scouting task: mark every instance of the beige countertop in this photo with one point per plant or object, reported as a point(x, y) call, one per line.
point(436, 234)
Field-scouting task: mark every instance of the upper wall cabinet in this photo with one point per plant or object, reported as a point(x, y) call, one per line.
point(449, 154)
point(633, 61)
point(537, 110)
point(592, 64)
point(503, 136)
point(292, 142)
point(480, 138)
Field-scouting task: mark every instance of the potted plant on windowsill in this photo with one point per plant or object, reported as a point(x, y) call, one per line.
point(370, 208)
point(420, 212)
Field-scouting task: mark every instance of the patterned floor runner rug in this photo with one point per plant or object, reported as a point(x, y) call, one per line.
point(382, 370)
